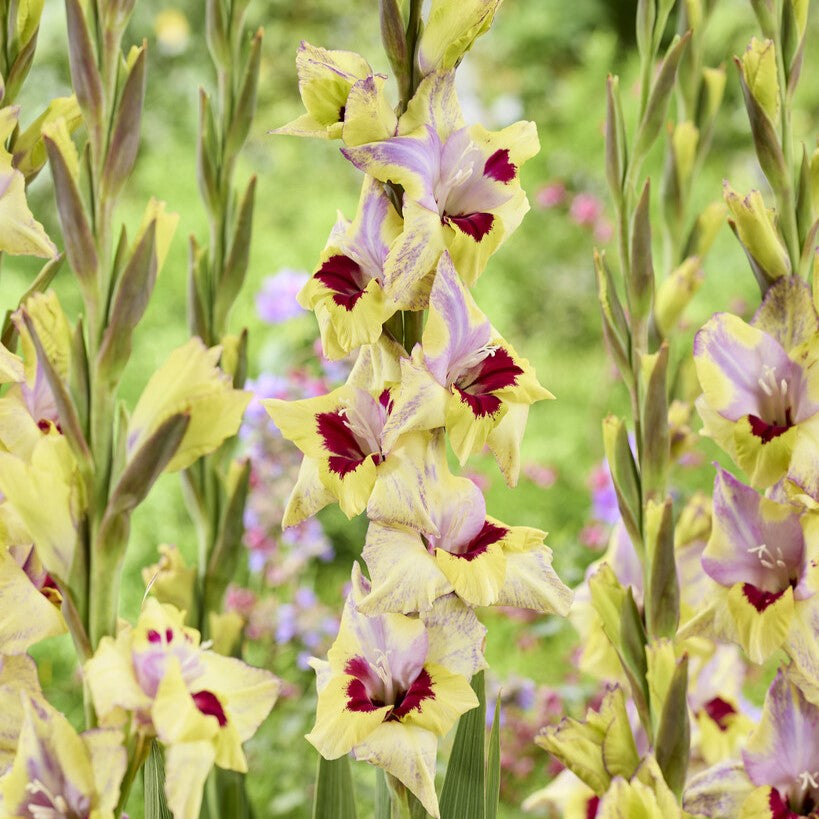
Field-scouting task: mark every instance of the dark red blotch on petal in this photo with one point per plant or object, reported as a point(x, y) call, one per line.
point(343, 276)
point(779, 807)
point(500, 167)
point(154, 636)
point(208, 703)
point(489, 534)
point(767, 432)
point(385, 399)
point(420, 690)
point(591, 807)
point(719, 710)
point(759, 599)
point(476, 225)
point(345, 451)
point(496, 372)
point(359, 700)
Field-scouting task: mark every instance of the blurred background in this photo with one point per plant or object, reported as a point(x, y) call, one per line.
point(545, 61)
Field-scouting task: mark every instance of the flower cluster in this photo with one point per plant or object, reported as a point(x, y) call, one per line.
point(438, 199)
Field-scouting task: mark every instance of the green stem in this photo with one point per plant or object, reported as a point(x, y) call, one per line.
point(785, 195)
point(136, 759)
point(399, 803)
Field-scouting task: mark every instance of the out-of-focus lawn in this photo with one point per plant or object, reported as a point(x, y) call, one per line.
point(542, 61)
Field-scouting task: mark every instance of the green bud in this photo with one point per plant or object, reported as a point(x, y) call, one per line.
point(675, 293)
point(124, 142)
point(640, 282)
point(705, 230)
point(763, 131)
point(216, 33)
point(79, 379)
point(394, 40)
point(758, 66)
point(129, 302)
point(197, 270)
point(663, 599)
point(662, 663)
point(245, 107)
point(615, 326)
point(29, 149)
point(673, 737)
point(684, 141)
point(713, 90)
point(66, 409)
point(140, 474)
point(207, 172)
point(85, 76)
point(624, 476)
point(814, 181)
point(633, 655)
point(794, 25)
point(646, 16)
point(599, 747)
point(694, 522)
point(658, 99)
point(234, 357)
point(79, 240)
point(615, 138)
point(655, 453)
point(755, 228)
point(765, 11)
point(235, 267)
point(805, 213)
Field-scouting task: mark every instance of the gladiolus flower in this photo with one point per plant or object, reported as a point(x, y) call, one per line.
point(346, 291)
point(461, 187)
point(392, 685)
point(760, 552)
point(430, 536)
point(200, 705)
point(464, 376)
point(59, 773)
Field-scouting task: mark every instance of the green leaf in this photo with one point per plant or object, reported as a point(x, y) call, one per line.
point(154, 772)
point(463, 791)
point(382, 795)
point(334, 797)
point(493, 768)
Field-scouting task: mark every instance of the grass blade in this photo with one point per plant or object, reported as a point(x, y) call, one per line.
point(463, 791)
point(493, 769)
point(334, 790)
point(155, 805)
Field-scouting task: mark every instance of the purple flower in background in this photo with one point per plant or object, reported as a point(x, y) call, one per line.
point(604, 498)
point(276, 301)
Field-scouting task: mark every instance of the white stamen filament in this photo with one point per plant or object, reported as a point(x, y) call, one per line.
point(776, 408)
point(58, 808)
point(769, 561)
point(474, 359)
point(382, 669)
point(360, 426)
point(808, 780)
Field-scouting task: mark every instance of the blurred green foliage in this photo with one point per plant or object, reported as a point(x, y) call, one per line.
point(545, 61)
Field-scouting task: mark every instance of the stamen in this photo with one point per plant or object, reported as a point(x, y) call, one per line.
point(808, 779)
point(58, 807)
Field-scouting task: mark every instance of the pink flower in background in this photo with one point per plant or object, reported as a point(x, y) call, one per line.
point(603, 230)
point(540, 474)
point(551, 195)
point(595, 535)
point(585, 209)
point(478, 478)
point(276, 301)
